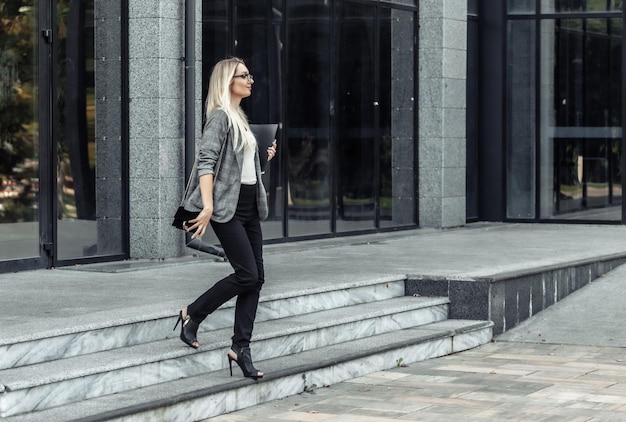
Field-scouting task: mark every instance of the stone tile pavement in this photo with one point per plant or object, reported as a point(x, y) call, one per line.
point(501, 381)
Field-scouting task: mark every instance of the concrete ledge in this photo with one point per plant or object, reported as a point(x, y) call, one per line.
point(509, 298)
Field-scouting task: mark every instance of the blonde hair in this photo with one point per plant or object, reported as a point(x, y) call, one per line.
point(219, 98)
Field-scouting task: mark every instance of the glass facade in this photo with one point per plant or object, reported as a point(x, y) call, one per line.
point(339, 77)
point(19, 131)
point(62, 194)
point(564, 112)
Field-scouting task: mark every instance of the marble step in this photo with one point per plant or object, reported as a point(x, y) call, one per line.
point(38, 386)
point(95, 333)
point(216, 393)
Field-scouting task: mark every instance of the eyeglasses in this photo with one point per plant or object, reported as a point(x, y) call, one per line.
point(244, 76)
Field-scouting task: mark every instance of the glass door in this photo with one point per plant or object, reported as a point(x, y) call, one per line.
point(19, 132)
point(89, 157)
point(60, 110)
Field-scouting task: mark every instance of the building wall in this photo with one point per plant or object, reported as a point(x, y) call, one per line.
point(157, 122)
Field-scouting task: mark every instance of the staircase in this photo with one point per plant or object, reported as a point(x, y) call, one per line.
point(140, 370)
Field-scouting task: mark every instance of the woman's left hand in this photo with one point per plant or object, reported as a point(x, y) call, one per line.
point(271, 151)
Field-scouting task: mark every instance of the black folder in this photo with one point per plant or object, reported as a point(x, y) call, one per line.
point(265, 135)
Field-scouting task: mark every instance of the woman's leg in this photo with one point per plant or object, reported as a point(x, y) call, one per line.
point(247, 302)
point(234, 241)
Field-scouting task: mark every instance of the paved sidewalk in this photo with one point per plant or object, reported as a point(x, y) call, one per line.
point(565, 364)
point(501, 381)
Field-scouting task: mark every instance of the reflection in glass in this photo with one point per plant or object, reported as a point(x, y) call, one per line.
point(19, 131)
point(89, 191)
point(520, 165)
point(551, 6)
point(215, 44)
point(308, 157)
point(346, 146)
point(521, 6)
point(582, 119)
point(355, 115)
point(259, 44)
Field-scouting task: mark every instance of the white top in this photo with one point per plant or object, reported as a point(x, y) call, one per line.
point(248, 172)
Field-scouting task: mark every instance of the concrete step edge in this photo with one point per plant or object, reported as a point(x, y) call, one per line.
point(80, 366)
point(161, 313)
point(339, 362)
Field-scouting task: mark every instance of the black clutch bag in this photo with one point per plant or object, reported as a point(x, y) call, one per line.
point(182, 216)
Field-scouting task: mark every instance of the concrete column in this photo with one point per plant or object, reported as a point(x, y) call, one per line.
point(442, 106)
point(156, 91)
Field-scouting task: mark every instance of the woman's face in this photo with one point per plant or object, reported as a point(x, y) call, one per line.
point(241, 86)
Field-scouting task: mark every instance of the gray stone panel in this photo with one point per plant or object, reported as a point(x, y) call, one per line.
point(471, 299)
point(156, 9)
point(429, 210)
point(454, 92)
point(144, 158)
point(403, 186)
point(455, 33)
point(430, 94)
point(144, 118)
point(144, 81)
point(453, 214)
point(454, 182)
point(430, 182)
point(145, 198)
point(454, 63)
point(172, 118)
point(431, 122)
point(430, 63)
point(454, 153)
point(144, 237)
point(171, 157)
point(431, 32)
point(110, 231)
point(403, 122)
point(430, 287)
point(109, 194)
point(111, 167)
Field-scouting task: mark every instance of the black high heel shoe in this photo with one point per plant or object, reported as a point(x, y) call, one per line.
point(188, 329)
point(243, 358)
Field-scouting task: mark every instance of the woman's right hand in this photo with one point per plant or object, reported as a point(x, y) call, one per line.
point(201, 222)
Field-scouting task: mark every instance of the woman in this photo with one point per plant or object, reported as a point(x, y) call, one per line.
point(234, 204)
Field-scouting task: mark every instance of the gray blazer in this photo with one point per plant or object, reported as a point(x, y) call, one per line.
point(219, 133)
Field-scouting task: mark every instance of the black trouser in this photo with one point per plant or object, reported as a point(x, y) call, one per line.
point(242, 241)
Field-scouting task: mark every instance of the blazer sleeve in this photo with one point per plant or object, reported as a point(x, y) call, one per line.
point(213, 138)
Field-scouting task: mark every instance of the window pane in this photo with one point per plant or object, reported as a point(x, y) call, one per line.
point(308, 104)
point(89, 206)
point(521, 6)
point(521, 119)
point(472, 7)
point(581, 119)
point(215, 39)
point(397, 147)
point(258, 42)
point(19, 132)
point(355, 116)
point(551, 6)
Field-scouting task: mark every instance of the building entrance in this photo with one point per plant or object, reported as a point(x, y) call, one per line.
point(60, 110)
